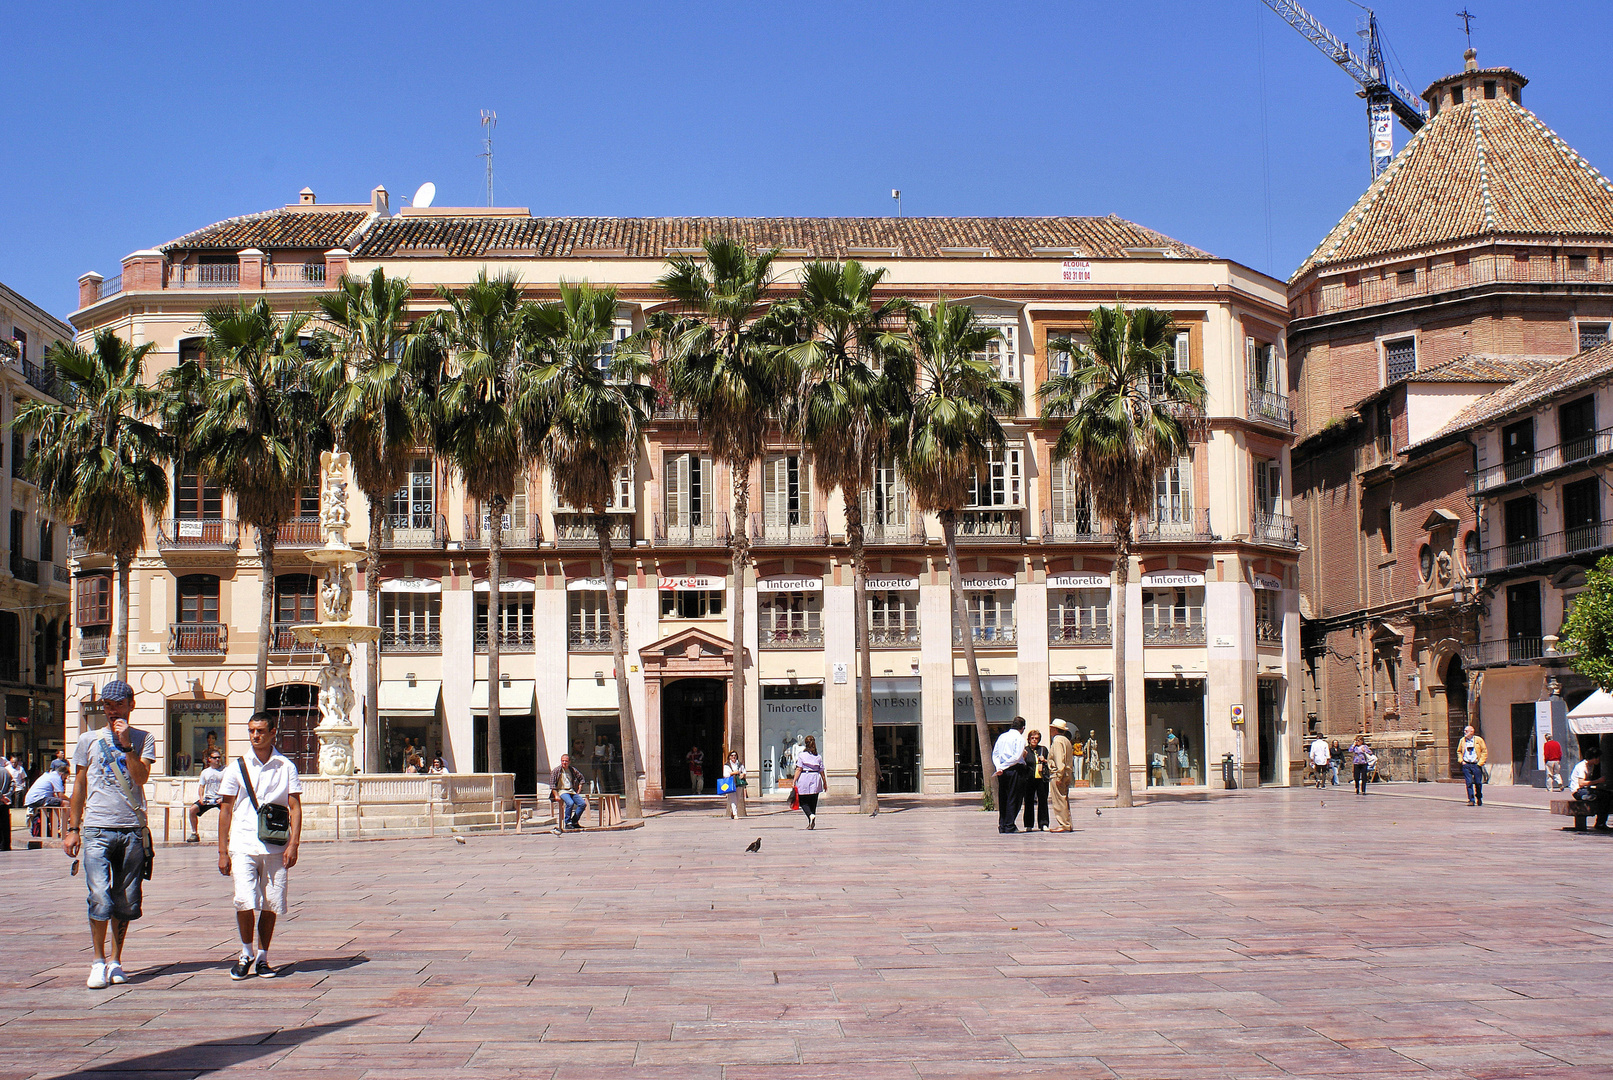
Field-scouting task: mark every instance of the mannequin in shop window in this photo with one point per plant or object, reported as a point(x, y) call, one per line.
point(1173, 766)
point(1089, 756)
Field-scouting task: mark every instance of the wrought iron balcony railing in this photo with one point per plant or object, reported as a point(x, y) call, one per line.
point(894, 637)
point(987, 635)
point(508, 640)
point(587, 639)
point(1003, 526)
point(60, 574)
point(209, 276)
point(798, 631)
point(1177, 525)
point(876, 530)
point(217, 533)
point(1070, 633)
point(284, 641)
point(1583, 541)
point(786, 530)
point(519, 533)
point(1566, 454)
point(578, 530)
point(1076, 529)
point(708, 530)
point(1270, 407)
point(1185, 627)
point(94, 646)
point(411, 641)
point(198, 639)
point(1279, 529)
point(424, 530)
point(1513, 650)
point(300, 532)
point(24, 569)
point(1268, 633)
point(294, 275)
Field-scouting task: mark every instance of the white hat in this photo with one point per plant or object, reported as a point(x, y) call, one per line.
point(1060, 724)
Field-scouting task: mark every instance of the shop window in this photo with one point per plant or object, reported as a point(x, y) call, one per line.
point(1078, 617)
point(514, 622)
point(893, 618)
point(691, 603)
point(589, 622)
point(991, 616)
point(790, 620)
point(411, 622)
point(1173, 616)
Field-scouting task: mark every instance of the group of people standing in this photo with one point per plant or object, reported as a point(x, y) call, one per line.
point(1034, 777)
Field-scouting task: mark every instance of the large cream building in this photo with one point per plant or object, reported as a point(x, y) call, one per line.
point(1211, 617)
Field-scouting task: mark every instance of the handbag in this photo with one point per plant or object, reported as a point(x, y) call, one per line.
point(274, 820)
point(725, 786)
point(795, 797)
point(148, 843)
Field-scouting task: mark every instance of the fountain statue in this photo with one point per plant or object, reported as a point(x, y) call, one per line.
point(337, 632)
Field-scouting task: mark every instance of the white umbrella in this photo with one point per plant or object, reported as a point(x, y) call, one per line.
point(1593, 716)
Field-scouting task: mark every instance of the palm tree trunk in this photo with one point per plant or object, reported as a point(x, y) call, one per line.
point(495, 577)
point(631, 767)
point(1120, 753)
point(960, 604)
point(741, 546)
point(867, 762)
point(120, 617)
point(266, 539)
point(372, 672)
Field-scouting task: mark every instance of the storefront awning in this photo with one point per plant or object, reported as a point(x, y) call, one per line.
point(422, 585)
point(419, 701)
point(508, 585)
point(591, 697)
point(1593, 716)
point(515, 698)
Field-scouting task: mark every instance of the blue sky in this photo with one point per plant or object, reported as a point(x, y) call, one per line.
point(131, 124)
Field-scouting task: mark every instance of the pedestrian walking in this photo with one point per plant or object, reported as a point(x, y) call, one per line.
point(106, 824)
point(257, 848)
point(207, 795)
point(1473, 755)
point(1553, 753)
point(566, 790)
point(8, 787)
point(1036, 783)
point(1361, 760)
point(1008, 759)
point(1061, 768)
point(697, 769)
point(733, 771)
point(1335, 761)
point(809, 780)
point(1320, 755)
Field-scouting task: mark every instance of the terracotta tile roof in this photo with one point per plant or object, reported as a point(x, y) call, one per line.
point(1486, 167)
point(273, 229)
point(563, 237)
point(1552, 379)
point(1483, 368)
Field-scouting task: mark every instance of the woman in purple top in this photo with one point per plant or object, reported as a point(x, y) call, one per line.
point(1359, 753)
point(809, 780)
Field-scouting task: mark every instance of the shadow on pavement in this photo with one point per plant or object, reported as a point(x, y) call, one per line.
point(200, 1059)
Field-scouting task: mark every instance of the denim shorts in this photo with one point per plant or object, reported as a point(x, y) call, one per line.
point(114, 860)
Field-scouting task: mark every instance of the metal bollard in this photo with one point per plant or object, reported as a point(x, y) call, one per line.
point(1229, 771)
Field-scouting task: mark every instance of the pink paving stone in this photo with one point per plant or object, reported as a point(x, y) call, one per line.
point(1182, 939)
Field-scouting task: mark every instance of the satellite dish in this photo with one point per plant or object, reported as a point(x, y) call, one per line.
point(424, 195)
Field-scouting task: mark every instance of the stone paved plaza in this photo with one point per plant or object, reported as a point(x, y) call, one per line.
point(1264, 934)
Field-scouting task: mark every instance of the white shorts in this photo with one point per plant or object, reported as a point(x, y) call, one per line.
point(260, 882)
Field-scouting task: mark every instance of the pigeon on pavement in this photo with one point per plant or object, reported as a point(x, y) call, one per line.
point(755, 845)
point(459, 839)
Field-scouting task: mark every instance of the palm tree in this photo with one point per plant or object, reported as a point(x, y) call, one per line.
point(99, 461)
point(945, 441)
point(844, 415)
point(589, 398)
point(1128, 412)
point(249, 418)
point(722, 363)
point(477, 427)
point(380, 388)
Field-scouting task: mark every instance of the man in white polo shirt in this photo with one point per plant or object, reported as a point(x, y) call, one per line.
point(260, 781)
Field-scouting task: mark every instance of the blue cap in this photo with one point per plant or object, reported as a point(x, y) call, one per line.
point(117, 690)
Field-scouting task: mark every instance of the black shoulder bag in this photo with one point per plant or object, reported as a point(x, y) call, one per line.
point(274, 820)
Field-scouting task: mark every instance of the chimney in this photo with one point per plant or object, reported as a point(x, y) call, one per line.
point(1471, 58)
point(305, 197)
point(378, 201)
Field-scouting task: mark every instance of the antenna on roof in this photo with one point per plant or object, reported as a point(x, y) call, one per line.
point(896, 194)
point(424, 194)
point(489, 122)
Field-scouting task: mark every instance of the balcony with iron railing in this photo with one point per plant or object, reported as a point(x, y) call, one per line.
point(282, 641)
point(797, 630)
point(300, 532)
point(198, 639)
point(205, 276)
point(111, 286)
point(1278, 529)
point(987, 636)
point(1268, 633)
point(1176, 525)
point(1070, 632)
point(294, 275)
point(1270, 407)
point(894, 530)
point(43, 379)
point(60, 574)
point(220, 534)
point(519, 533)
point(583, 638)
point(508, 640)
point(991, 526)
point(1519, 649)
point(94, 646)
point(1542, 464)
point(1581, 542)
point(895, 635)
point(24, 569)
point(789, 530)
point(1175, 626)
point(703, 530)
point(1076, 528)
point(423, 530)
point(578, 530)
point(411, 641)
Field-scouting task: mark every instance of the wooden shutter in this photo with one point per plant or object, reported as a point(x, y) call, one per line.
point(94, 600)
point(676, 486)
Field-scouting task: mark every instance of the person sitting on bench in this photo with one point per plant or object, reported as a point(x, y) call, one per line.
point(1589, 785)
point(566, 786)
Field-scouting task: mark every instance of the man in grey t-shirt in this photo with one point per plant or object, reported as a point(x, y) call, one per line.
point(108, 811)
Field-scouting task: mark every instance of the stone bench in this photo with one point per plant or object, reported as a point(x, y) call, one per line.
point(1578, 809)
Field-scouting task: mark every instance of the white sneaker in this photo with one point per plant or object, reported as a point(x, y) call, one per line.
point(97, 979)
point(115, 975)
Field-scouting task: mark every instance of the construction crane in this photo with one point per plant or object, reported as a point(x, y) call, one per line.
point(1388, 99)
